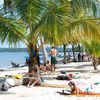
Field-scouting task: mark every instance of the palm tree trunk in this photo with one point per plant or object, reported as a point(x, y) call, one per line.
point(79, 48)
point(33, 60)
point(64, 50)
point(94, 63)
point(44, 54)
point(73, 50)
point(79, 53)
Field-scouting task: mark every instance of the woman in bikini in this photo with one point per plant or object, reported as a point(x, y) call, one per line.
point(82, 89)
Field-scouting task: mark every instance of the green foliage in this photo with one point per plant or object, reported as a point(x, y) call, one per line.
point(55, 21)
point(84, 7)
point(11, 31)
point(93, 47)
point(58, 21)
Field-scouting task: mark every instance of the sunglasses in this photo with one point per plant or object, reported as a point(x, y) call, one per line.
point(71, 84)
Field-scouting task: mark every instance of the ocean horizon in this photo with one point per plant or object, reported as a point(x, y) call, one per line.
point(18, 56)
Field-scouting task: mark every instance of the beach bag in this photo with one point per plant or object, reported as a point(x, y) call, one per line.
point(62, 72)
point(25, 81)
point(4, 86)
point(62, 77)
point(18, 76)
point(10, 82)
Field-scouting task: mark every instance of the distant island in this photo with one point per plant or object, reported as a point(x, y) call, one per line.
point(13, 50)
point(60, 49)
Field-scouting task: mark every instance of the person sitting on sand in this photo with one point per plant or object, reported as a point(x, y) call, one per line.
point(34, 78)
point(42, 68)
point(75, 89)
point(48, 66)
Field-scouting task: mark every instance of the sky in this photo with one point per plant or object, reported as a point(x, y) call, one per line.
point(6, 45)
point(1, 1)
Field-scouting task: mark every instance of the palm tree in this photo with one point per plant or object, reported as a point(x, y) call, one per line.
point(26, 20)
point(29, 20)
point(81, 21)
point(93, 47)
point(65, 57)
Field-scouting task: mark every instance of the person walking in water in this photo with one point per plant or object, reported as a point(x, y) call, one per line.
point(53, 54)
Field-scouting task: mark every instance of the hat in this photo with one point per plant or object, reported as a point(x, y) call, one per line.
point(18, 76)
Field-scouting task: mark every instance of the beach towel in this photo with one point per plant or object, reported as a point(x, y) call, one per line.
point(66, 94)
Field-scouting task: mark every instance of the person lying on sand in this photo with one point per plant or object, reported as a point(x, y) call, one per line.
point(14, 65)
point(74, 89)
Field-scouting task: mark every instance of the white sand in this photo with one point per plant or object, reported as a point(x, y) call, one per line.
point(39, 93)
point(48, 93)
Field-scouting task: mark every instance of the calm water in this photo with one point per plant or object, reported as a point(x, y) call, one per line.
point(7, 57)
point(18, 58)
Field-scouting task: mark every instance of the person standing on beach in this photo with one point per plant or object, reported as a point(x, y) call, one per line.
point(53, 54)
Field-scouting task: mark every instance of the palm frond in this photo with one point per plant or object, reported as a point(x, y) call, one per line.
point(86, 29)
point(92, 47)
point(55, 21)
point(11, 31)
point(87, 7)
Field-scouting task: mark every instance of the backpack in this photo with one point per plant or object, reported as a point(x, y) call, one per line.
point(62, 77)
point(4, 86)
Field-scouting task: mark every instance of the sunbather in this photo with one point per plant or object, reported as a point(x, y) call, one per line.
point(75, 89)
point(14, 65)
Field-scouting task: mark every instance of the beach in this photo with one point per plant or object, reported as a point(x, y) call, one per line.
point(82, 69)
point(40, 93)
point(64, 32)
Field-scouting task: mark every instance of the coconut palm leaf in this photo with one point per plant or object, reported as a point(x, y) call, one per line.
point(81, 7)
point(55, 21)
point(50, 17)
point(30, 11)
point(11, 31)
point(92, 47)
point(86, 29)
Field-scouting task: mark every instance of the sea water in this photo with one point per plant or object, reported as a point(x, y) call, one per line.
point(19, 58)
point(16, 57)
